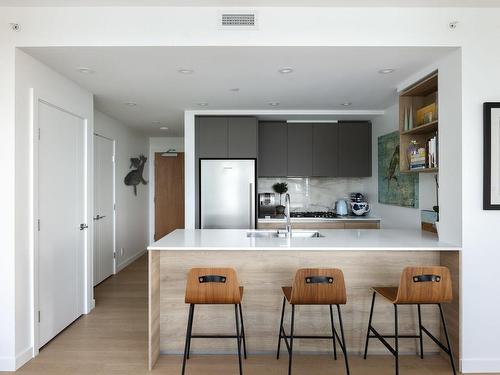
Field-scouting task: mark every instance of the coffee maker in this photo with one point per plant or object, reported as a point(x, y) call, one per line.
point(267, 205)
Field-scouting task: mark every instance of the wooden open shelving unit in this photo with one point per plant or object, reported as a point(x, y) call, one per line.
point(413, 98)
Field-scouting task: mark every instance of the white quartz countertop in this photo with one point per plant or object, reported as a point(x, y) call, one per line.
point(333, 240)
point(318, 219)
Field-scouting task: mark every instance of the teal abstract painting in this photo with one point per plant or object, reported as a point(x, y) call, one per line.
point(394, 187)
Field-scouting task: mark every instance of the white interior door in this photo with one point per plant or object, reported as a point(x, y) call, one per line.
point(104, 260)
point(61, 210)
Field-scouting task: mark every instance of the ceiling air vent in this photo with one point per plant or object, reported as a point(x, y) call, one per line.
point(238, 20)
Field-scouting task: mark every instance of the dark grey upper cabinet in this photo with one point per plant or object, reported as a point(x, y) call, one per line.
point(272, 149)
point(355, 149)
point(325, 150)
point(300, 149)
point(212, 137)
point(226, 137)
point(242, 137)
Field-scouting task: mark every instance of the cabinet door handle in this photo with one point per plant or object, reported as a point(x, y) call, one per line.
point(83, 226)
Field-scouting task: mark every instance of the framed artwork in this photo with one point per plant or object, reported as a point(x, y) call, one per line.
point(394, 187)
point(491, 162)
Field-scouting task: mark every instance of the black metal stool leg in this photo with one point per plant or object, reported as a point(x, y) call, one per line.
point(420, 332)
point(281, 328)
point(333, 334)
point(238, 337)
point(445, 329)
point(190, 333)
point(369, 325)
point(344, 344)
point(396, 341)
point(188, 336)
point(291, 342)
point(243, 333)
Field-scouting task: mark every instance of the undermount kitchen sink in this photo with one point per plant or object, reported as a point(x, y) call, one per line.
point(281, 234)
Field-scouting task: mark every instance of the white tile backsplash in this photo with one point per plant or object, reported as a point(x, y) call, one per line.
point(315, 193)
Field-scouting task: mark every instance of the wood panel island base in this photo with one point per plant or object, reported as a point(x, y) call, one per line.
point(264, 265)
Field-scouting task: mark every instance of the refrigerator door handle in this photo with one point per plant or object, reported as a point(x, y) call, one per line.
point(252, 207)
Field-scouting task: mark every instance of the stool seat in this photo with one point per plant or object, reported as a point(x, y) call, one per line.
point(389, 292)
point(426, 285)
point(314, 286)
point(207, 286)
point(214, 286)
point(287, 291)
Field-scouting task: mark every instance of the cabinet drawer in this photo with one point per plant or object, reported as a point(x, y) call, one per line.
point(317, 225)
point(362, 225)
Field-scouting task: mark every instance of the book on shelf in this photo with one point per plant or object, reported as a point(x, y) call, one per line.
point(421, 166)
point(432, 152)
point(425, 157)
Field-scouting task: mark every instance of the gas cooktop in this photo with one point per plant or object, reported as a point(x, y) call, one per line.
point(316, 214)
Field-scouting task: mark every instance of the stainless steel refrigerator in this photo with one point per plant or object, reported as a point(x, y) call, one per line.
point(227, 194)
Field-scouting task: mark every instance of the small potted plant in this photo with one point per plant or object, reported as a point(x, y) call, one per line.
point(280, 188)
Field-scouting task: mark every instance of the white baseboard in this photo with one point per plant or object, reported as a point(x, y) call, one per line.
point(133, 258)
point(24, 356)
point(7, 364)
point(469, 366)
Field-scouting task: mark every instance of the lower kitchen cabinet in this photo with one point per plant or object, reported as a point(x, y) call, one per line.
point(337, 224)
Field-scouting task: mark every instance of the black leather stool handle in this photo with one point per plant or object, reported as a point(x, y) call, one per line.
point(319, 280)
point(212, 279)
point(426, 278)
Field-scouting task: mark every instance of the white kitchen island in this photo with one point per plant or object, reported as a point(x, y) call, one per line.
point(367, 258)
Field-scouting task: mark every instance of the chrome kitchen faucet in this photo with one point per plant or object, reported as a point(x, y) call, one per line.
point(288, 227)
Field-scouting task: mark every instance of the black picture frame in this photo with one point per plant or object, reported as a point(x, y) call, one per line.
point(487, 109)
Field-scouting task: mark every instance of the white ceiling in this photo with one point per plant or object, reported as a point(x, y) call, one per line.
point(257, 3)
point(323, 78)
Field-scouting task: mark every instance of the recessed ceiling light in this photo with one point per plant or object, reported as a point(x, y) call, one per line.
point(274, 104)
point(163, 127)
point(203, 104)
point(85, 70)
point(286, 70)
point(236, 89)
point(386, 71)
point(130, 104)
point(185, 71)
point(346, 104)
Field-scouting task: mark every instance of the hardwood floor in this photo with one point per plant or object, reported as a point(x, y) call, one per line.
point(113, 340)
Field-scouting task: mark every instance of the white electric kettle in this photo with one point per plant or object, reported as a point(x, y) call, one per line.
point(341, 208)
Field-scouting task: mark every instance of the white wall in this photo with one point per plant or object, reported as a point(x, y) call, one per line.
point(396, 216)
point(58, 90)
point(450, 143)
point(158, 144)
point(131, 210)
point(480, 81)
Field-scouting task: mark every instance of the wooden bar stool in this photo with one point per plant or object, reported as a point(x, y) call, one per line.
point(214, 286)
point(417, 286)
point(315, 287)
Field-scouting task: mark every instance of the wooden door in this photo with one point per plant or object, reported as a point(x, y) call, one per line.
point(169, 194)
